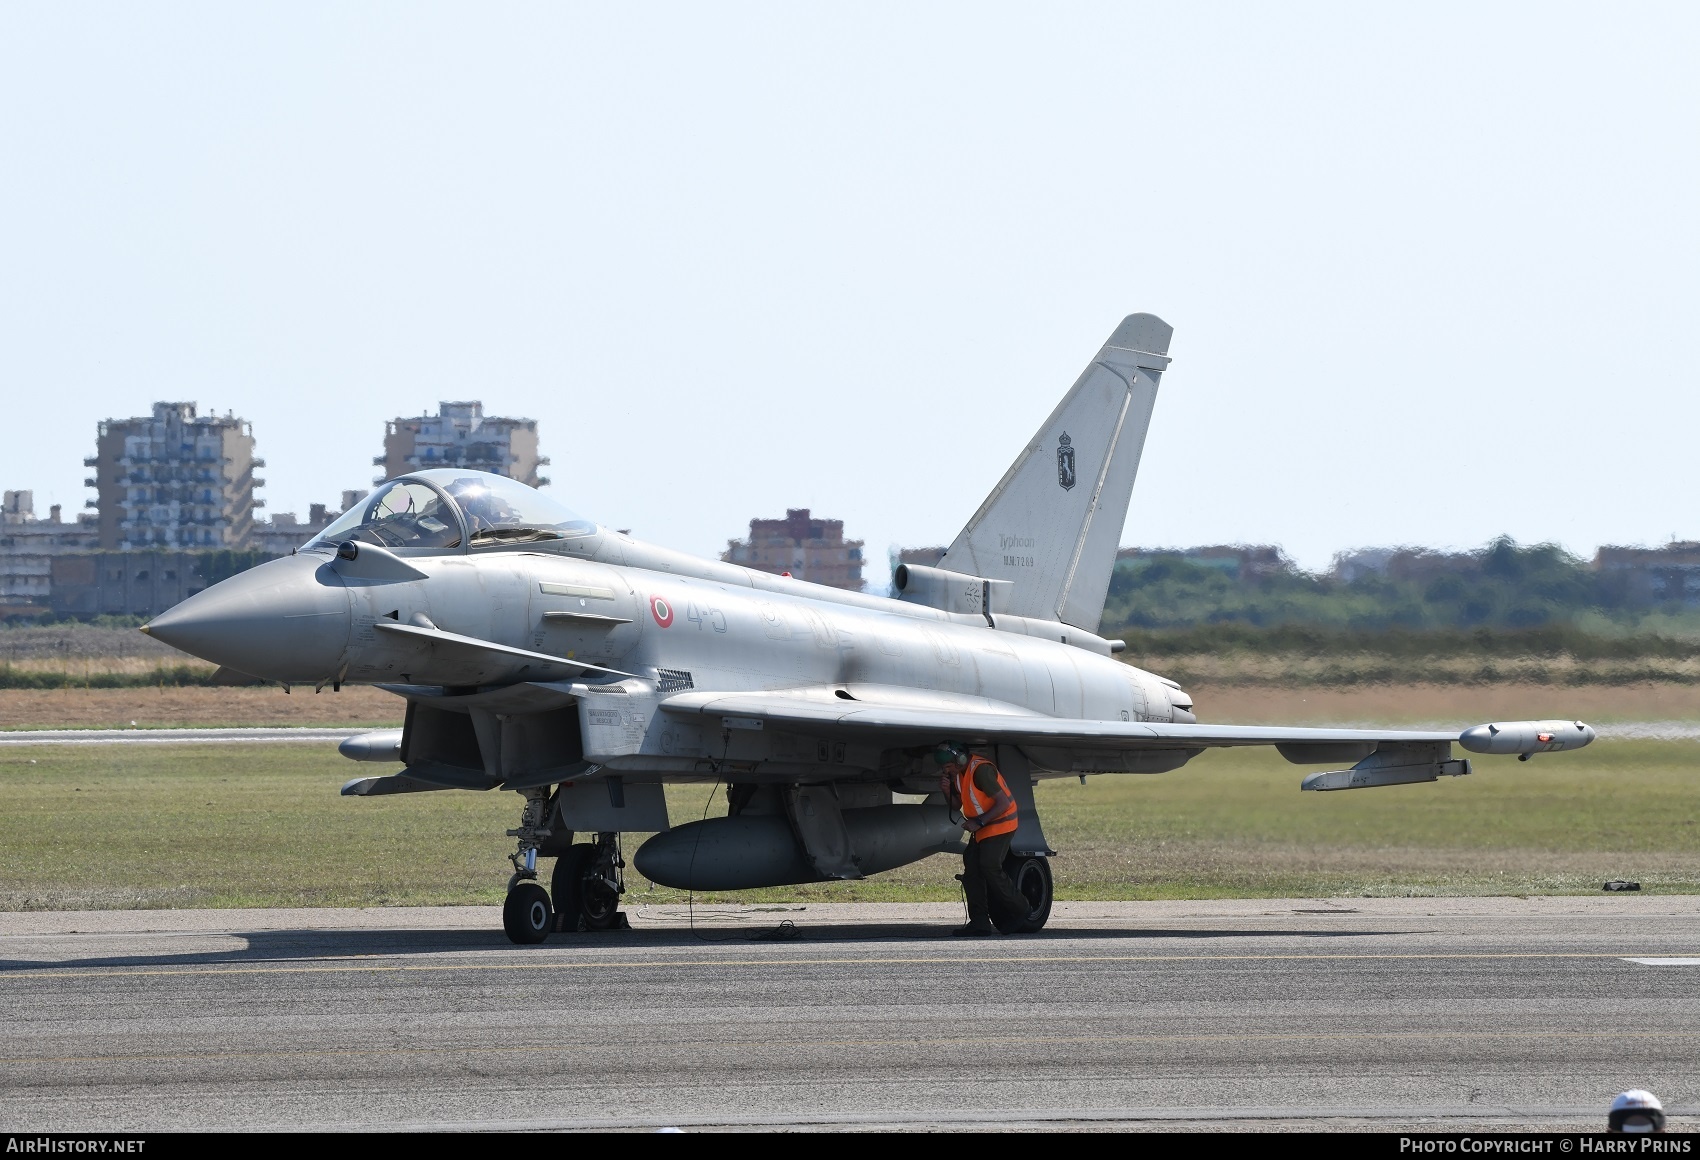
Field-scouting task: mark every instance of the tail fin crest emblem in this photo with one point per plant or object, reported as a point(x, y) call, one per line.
point(1065, 462)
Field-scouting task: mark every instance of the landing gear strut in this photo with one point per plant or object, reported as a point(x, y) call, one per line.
point(527, 916)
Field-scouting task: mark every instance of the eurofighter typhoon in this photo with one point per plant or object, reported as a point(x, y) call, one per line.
point(542, 653)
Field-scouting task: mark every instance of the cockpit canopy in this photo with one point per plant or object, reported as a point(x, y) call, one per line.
point(445, 508)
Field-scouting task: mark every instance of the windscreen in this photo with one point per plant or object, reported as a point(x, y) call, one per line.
point(402, 514)
point(411, 512)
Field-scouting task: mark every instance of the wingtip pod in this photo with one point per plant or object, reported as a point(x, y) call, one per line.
point(1526, 737)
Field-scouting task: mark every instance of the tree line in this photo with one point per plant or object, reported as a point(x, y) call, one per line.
point(1504, 597)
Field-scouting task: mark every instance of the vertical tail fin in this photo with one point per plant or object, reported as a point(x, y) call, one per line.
point(1052, 524)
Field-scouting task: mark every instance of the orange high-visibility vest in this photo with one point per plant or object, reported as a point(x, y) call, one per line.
point(986, 815)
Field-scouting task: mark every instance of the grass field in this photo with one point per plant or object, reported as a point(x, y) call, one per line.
point(198, 826)
point(169, 706)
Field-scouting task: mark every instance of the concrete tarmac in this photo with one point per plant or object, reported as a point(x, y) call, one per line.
point(1388, 1014)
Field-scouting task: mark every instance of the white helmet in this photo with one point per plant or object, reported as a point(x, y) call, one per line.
point(1636, 1111)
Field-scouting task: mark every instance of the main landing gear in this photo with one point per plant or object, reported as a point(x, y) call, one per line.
point(587, 882)
point(1031, 874)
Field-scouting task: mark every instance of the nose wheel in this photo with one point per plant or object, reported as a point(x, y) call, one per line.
point(526, 915)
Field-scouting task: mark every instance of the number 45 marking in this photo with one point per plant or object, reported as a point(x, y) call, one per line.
point(712, 617)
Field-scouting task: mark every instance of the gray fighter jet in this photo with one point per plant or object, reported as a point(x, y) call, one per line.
point(540, 652)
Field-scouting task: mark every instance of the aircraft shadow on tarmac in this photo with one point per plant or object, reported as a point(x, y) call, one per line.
point(333, 946)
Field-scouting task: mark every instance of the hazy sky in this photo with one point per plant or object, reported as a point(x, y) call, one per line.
point(1430, 266)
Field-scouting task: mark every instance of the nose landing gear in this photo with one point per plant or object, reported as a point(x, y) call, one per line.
point(587, 882)
point(527, 916)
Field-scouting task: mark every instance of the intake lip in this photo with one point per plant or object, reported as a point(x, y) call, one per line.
point(285, 620)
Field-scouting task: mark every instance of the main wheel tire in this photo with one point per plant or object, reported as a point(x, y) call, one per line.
point(526, 914)
point(579, 898)
point(1031, 874)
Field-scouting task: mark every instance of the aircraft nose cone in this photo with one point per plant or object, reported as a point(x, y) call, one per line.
point(286, 620)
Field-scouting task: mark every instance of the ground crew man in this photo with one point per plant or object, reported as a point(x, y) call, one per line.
point(975, 789)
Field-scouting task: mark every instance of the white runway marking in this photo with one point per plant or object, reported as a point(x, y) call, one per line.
point(1668, 962)
point(288, 735)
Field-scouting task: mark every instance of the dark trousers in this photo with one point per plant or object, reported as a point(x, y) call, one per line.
point(983, 877)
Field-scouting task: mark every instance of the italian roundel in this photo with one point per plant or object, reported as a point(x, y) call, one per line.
point(662, 611)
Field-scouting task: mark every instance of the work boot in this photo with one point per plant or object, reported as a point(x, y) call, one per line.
point(973, 928)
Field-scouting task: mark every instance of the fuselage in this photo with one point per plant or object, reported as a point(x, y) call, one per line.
point(612, 601)
point(734, 636)
point(474, 595)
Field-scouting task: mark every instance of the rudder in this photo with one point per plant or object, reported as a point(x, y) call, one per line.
point(1054, 521)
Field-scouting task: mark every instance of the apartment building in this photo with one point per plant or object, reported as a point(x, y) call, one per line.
point(462, 435)
point(175, 480)
point(807, 548)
